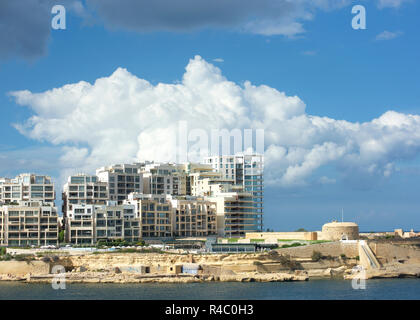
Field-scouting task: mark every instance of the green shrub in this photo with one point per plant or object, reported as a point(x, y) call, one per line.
point(61, 236)
point(24, 257)
point(2, 251)
point(296, 244)
point(6, 257)
point(316, 256)
point(286, 261)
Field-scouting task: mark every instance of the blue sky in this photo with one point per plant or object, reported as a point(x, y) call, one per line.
point(337, 72)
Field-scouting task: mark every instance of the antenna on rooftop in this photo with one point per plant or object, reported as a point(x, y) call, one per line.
point(342, 215)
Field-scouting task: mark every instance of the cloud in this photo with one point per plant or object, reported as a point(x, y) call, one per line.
point(123, 118)
point(309, 53)
point(26, 26)
point(391, 3)
point(387, 35)
point(266, 17)
point(218, 60)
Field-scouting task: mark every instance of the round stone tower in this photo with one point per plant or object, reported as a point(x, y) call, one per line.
point(340, 231)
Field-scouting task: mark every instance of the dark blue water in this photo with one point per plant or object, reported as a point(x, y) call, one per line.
point(313, 289)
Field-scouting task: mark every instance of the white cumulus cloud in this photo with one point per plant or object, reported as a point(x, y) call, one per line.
point(123, 118)
point(388, 35)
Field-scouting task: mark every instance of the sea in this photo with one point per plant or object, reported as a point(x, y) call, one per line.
point(322, 289)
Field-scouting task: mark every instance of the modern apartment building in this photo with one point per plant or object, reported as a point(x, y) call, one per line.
point(246, 170)
point(168, 178)
point(88, 224)
point(117, 222)
point(83, 189)
point(122, 180)
point(154, 213)
point(27, 187)
point(28, 223)
point(208, 183)
point(193, 217)
point(236, 214)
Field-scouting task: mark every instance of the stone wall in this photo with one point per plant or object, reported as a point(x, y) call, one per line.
point(20, 268)
point(331, 248)
point(274, 236)
point(388, 252)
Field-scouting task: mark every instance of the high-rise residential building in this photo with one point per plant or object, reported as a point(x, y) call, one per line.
point(87, 224)
point(117, 222)
point(193, 216)
point(164, 178)
point(246, 170)
point(83, 189)
point(154, 213)
point(235, 212)
point(27, 187)
point(28, 223)
point(122, 180)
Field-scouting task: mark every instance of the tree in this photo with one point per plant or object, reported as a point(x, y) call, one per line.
point(61, 236)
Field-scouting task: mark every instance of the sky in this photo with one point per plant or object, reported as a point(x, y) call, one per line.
point(339, 107)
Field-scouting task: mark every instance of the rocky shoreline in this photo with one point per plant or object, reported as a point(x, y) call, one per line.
point(97, 277)
point(335, 260)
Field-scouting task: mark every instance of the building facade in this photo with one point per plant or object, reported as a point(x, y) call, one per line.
point(27, 187)
point(87, 224)
point(165, 178)
point(193, 217)
point(83, 189)
point(246, 170)
point(122, 179)
point(154, 213)
point(29, 223)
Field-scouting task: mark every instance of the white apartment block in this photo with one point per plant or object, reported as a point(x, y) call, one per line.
point(83, 189)
point(235, 212)
point(122, 179)
point(246, 170)
point(27, 187)
point(167, 178)
point(29, 223)
point(208, 183)
point(87, 224)
point(174, 216)
point(193, 217)
point(155, 214)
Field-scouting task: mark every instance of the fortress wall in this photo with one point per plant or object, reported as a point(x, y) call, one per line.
point(20, 268)
point(282, 235)
point(330, 248)
point(387, 252)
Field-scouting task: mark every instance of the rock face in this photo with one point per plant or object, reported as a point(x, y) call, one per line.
point(387, 271)
point(97, 277)
point(152, 267)
point(291, 264)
